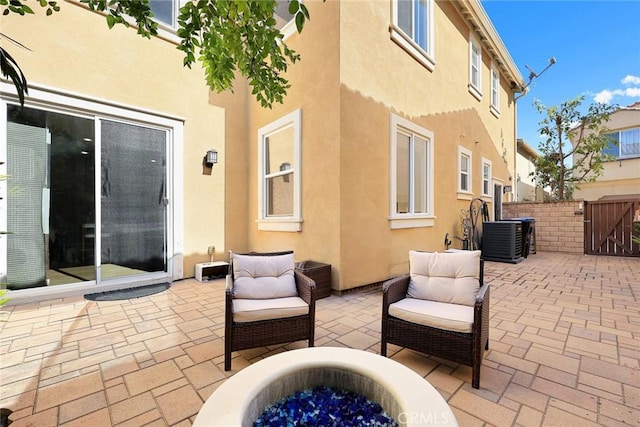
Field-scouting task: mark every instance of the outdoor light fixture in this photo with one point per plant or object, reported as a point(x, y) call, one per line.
point(212, 157)
point(285, 166)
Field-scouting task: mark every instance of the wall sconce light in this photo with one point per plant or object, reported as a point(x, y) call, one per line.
point(285, 166)
point(211, 158)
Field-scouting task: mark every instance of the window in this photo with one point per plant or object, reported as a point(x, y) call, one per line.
point(624, 144)
point(279, 167)
point(464, 170)
point(486, 177)
point(411, 180)
point(495, 91)
point(475, 68)
point(412, 29)
point(284, 20)
point(165, 11)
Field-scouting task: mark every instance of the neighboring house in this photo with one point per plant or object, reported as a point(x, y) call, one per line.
point(399, 114)
point(526, 190)
point(621, 177)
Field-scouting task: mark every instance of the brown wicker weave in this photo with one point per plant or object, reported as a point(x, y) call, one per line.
point(464, 348)
point(244, 335)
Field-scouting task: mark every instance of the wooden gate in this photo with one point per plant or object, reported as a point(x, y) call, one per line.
point(608, 227)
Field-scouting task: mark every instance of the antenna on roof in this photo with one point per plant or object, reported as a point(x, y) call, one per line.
point(533, 75)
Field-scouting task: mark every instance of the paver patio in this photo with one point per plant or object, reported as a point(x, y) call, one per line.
point(564, 350)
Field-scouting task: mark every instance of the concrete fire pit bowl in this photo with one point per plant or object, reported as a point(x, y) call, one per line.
point(404, 395)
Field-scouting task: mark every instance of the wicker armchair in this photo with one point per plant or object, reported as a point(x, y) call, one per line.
point(257, 312)
point(456, 329)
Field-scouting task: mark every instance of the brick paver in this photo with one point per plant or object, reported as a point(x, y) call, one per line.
point(564, 350)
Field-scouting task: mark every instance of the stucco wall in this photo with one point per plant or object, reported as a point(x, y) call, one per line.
point(315, 91)
point(74, 52)
point(559, 225)
point(351, 77)
point(619, 177)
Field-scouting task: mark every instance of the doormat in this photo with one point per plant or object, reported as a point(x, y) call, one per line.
point(123, 294)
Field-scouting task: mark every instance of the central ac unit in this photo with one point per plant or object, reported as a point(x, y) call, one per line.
point(502, 241)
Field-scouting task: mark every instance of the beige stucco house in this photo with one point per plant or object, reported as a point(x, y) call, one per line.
point(526, 190)
point(621, 176)
point(398, 116)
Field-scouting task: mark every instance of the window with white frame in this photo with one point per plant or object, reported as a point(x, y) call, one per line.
point(464, 170)
point(495, 90)
point(411, 189)
point(623, 144)
point(486, 177)
point(165, 11)
point(475, 67)
point(113, 197)
point(412, 29)
point(279, 170)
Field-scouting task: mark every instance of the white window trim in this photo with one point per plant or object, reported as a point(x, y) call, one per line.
point(475, 89)
point(619, 155)
point(52, 99)
point(405, 41)
point(495, 86)
point(487, 162)
point(465, 194)
point(170, 33)
point(291, 223)
point(411, 220)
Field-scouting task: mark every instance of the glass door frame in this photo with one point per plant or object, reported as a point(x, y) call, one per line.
point(71, 104)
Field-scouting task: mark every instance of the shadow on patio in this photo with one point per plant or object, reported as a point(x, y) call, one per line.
point(564, 350)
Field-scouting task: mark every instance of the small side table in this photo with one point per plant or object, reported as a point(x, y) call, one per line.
point(206, 270)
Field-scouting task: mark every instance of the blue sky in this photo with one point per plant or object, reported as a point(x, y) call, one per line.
point(596, 45)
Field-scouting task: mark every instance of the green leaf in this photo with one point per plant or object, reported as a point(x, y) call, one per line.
point(299, 22)
point(304, 10)
point(294, 6)
point(111, 21)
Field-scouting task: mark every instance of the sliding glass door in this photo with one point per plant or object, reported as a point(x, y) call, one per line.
point(133, 199)
point(86, 199)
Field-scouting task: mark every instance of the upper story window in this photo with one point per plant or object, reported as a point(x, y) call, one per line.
point(279, 169)
point(412, 28)
point(284, 20)
point(165, 11)
point(411, 174)
point(475, 68)
point(464, 170)
point(495, 90)
point(486, 177)
point(624, 143)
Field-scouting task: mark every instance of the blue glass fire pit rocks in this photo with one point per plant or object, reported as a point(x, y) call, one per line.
point(324, 406)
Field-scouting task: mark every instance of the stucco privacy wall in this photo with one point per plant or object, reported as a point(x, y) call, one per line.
point(559, 225)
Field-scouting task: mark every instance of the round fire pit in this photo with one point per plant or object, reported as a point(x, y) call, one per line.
point(403, 394)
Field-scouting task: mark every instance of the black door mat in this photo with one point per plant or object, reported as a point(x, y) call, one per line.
point(123, 294)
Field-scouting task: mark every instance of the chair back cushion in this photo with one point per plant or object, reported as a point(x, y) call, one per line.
point(263, 277)
point(445, 277)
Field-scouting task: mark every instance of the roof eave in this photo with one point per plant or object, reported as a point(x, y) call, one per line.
point(477, 18)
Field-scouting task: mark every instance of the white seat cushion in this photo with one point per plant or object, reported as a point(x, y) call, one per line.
point(445, 277)
point(250, 310)
point(263, 277)
point(450, 317)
